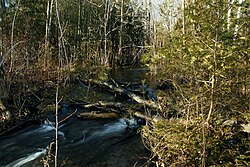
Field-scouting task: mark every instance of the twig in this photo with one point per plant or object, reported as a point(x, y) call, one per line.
point(8, 52)
point(66, 118)
point(56, 126)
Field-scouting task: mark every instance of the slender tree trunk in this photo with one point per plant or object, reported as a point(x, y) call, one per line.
point(120, 33)
point(194, 13)
point(213, 78)
point(183, 19)
point(2, 81)
point(230, 2)
point(56, 126)
point(47, 32)
point(79, 23)
point(105, 32)
point(3, 88)
point(237, 18)
point(107, 12)
point(50, 14)
point(3, 92)
point(47, 22)
point(154, 37)
point(147, 22)
point(1, 24)
point(12, 36)
point(60, 36)
point(59, 65)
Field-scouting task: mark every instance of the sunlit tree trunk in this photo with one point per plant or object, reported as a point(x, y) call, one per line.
point(194, 13)
point(47, 32)
point(153, 18)
point(47, 22)
point(62, 55)
point(147, 21)
point(237, 18)
point(183, 17)
point(106, 18)
point(214, 64)
point(230, 2)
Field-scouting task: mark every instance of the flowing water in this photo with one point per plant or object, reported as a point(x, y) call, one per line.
point(81, 142)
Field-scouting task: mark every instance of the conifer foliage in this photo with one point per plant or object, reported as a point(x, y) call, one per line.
point(205, 55)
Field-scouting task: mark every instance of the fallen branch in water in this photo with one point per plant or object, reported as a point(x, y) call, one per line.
point(66, 118)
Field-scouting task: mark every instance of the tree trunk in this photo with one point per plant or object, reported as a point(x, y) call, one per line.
point(106, 22)
point(2, 12)
point(237, 19)
point(183, 19)
point(230, 2)
point(120, 33)
point(3, 92)
point(154, 30)
point(47, 32)
point(12, 37)
point(148, 20)
point(79, 26)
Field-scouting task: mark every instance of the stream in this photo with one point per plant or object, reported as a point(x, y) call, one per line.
point(105, 142)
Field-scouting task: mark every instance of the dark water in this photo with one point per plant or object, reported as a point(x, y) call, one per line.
point(133, 75)
point(81, 142)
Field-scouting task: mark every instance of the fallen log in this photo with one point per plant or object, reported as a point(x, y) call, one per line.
point(104, 104)
point(97, 115)
point(123, 91)
point(143, 116)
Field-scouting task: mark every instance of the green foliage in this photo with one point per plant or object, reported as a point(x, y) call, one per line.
point(173, 143)
point(181, 142)
point(83, 31)
point(209, 67)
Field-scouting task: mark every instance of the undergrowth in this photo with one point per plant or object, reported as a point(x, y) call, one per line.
point(181, 142)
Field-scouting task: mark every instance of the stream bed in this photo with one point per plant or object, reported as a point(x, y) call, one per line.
point(105, 142)
point(81, 143)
